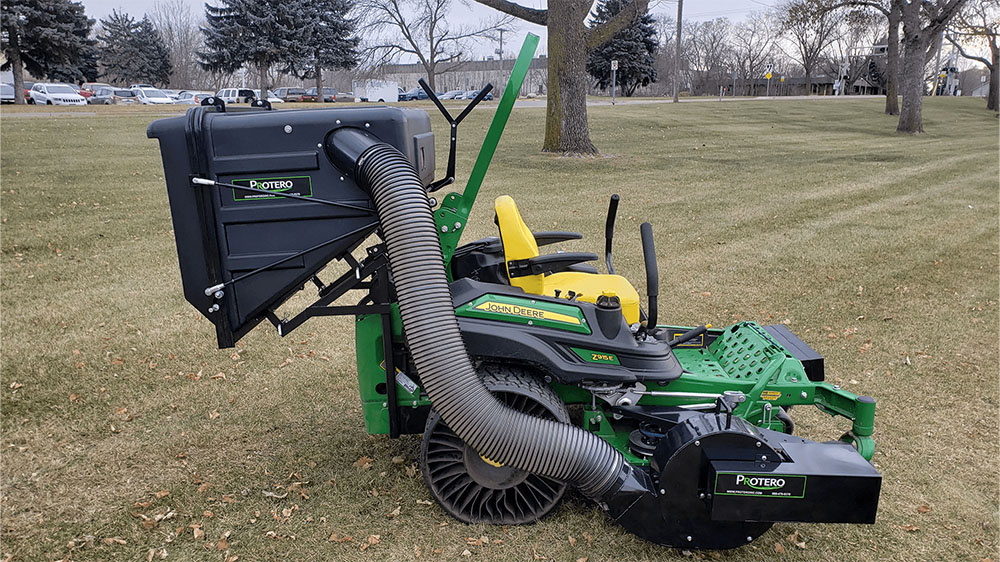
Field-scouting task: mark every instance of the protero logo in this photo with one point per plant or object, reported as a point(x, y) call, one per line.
point(272, 185)
point(760, 482)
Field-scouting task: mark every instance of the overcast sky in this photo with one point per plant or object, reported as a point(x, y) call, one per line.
point(467, 12)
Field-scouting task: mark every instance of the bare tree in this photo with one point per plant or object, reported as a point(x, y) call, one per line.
point(891, 11)
point(570, 43)
point(923, 24)
point(419, 28)
point(708, 53)
point(811, 29)
point(979, 23)
point(752, 41)
point(181, 33)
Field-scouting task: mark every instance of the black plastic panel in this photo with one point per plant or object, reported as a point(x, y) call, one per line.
point(226, 236)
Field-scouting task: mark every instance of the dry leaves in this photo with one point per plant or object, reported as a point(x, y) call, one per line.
point(796, 539)
point(910, 528)
point(778, 549)
point(113, 540)
point(162, 494)
point(372, 540)
point(393, 513)
point(364, 462)
point(924, 509)
point(214, 414)
point(337, 538)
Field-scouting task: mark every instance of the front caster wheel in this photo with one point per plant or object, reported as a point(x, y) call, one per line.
point(474, 489)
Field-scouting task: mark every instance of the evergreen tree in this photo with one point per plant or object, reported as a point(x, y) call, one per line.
point(634, 47)
point(330, 39)
point(49, 38)
point(133, 51)
point(255, 33)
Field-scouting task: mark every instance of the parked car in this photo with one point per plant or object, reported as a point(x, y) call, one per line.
point(151, 96)
point(471, 94)
point(451, 95)
point(270, 96)
point(27, 91)
point(93, 86)
point(236, 95)
point(55, 94)
point(192, 97)
point(290, 94)
point(417, 93)
point(85, 93)
point(329, 95)
point(172, 94)
point(348, 97)
point(106, 95)
point(134, 86)
point(6, 93)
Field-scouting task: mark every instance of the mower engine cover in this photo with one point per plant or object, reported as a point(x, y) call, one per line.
point(224, 233)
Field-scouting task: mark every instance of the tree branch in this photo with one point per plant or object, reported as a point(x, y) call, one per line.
point(538, 17)
point(597, 36)
point(961, 51)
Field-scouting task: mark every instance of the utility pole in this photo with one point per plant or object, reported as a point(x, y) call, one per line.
point(503, 73)
point(677, 55)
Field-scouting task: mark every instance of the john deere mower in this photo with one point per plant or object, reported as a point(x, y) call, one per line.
point(526, 371)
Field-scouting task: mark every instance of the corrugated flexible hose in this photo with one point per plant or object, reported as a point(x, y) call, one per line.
point(544, 447)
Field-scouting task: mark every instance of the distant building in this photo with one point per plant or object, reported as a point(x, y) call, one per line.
point(470, 75)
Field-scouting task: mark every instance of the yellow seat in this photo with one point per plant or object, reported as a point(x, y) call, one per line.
point(519, 244)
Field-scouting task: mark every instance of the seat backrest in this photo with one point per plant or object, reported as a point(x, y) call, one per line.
point(518, 242)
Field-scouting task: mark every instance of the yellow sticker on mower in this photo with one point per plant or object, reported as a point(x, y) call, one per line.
point(526, 312)
point(770, 395)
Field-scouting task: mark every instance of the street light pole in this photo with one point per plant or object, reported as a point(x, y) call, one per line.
point(677, 55)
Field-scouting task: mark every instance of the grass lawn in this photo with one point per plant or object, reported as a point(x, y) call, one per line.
point(124, 429)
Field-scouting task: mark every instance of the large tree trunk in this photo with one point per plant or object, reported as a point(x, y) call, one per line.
point(16, 67)
point(319, 83)
point(809, 81)
point(991, 97)
point(892, 63)
point(911, 112)
point(262, 80)
point(566, 128)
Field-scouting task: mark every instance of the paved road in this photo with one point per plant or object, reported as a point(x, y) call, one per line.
point(626, 101)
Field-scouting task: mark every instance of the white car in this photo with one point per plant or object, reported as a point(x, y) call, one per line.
point(245, 95)
point(152, 96)
point(55, 94)
point(6, 93)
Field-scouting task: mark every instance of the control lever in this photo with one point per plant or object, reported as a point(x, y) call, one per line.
point(609, 231)
point(652, 274)
point(453, 132)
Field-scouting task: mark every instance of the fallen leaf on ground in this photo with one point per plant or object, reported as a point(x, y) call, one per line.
point(796, 539)
point(198, 533)
point(162, 494)
point(466, 552)
point(275, 496)
point(223, 544)
point(337, 538)
point(393, 513)
point(372, 539)
point(572, 541)
point(583, 559)
point(910, 528)
point(778, 548)
point(364, 462)
point(113, 540)
point(425, 502)
point(214, 414)
point(924, 509)
point(398, 460)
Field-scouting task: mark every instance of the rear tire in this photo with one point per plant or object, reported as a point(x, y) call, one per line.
point(473, 489)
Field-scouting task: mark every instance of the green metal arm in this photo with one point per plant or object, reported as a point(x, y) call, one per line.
point(453, 214)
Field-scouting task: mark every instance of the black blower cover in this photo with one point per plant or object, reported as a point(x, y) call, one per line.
point(223, 233)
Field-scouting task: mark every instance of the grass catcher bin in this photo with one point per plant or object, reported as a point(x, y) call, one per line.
point(243, 252)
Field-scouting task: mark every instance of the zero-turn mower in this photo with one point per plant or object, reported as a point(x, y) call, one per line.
point(527, 372)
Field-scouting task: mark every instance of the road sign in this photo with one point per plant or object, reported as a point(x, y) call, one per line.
point(782, 78)
point(768, 68)
point(768, 76)
point(614, 65)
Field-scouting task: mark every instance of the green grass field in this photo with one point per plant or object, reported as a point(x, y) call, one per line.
point(126, 432)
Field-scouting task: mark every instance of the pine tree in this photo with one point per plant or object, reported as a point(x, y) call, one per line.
point(133, 51)
point(634, 47)
point(47, 37)
point(330, 40)
point(255, 33)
